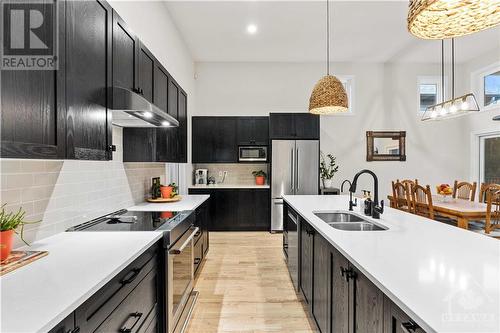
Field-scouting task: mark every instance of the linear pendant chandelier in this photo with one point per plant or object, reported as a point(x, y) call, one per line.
point(328, 95)
point(442, 19)
point(456, 106)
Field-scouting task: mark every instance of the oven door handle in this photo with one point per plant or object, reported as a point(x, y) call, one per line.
point(186, 242)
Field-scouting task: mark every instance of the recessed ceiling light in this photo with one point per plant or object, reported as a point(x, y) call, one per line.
point(252, 29)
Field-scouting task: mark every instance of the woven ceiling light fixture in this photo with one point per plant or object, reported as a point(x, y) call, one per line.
point(328, 95)
point(442, 19)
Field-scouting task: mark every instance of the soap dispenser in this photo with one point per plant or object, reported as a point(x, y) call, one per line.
point(368, 204)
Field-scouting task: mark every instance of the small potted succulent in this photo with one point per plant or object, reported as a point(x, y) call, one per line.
point(9, 222)
point(327, 169)
point(169, 191)
point(260, 177)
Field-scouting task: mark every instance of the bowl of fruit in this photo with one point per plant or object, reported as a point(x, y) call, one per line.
point(445, 190)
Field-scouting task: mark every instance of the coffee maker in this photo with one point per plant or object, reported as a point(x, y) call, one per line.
point(201, 177)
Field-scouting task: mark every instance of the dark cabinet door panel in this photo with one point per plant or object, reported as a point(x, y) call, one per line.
point(368, 312)
point(173, 99)
point(226, 150)
point(67, 325)
point(139, 144)
point(261, 130)
point(125, 47)
point(306, 126)
point(88, 74)
point(33, 113)
point(253, 130)
point(321, 283)
point(161, 95)
point(182, 135)
point(226, 214)
point(262, 209)
point(339, 293)
point(203, 139)
point(306, 260)
point(281, 126)
point(146, 70)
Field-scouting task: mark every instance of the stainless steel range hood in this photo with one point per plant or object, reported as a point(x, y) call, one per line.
point(133, 110)
point(497, 118)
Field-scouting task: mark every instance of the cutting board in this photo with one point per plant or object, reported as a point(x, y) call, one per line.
point(18, 259)
point(163, 200)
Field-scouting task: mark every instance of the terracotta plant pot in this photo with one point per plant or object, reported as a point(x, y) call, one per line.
point(6, 243)
point(166, 191)
point(260, 180)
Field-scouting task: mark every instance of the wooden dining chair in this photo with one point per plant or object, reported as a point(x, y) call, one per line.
point(408, 182)
point(401, 194)
point(492, 211)
point(485, 188)
point(464, 190)
point(422, 201)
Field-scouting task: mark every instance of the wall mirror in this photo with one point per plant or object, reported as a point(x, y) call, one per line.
point(385, 146)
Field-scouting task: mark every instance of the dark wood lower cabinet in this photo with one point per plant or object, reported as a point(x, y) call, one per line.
point(340, 298)
point(321, 283)
point(367, 313)
point(237, 209)
point(306, 260)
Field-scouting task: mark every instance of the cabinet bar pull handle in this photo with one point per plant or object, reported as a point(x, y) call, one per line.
point(137, 316)
point(297, 167)
point(132, 276)
point(291, 169)
point(409, 326)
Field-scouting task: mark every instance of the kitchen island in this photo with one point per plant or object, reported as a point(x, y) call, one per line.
point(444, 278)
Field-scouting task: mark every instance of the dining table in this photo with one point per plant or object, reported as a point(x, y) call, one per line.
point(460, 210)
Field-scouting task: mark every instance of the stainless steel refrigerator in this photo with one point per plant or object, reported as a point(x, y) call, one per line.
point(295, 170)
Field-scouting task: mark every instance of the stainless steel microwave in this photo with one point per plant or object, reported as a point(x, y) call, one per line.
point(252, 154)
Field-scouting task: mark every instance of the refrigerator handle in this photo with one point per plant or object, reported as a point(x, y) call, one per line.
point(297, 168)
point(292, 174)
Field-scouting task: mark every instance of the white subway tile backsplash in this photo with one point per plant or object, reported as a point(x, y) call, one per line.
point(62, 194)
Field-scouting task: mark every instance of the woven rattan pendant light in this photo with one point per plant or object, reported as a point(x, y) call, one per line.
point(442, 19)
point(328, 95)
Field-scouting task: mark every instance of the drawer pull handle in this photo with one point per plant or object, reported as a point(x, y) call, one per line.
point(409, 326)
point(132, 276)
point(137, 316)
point(197, 261)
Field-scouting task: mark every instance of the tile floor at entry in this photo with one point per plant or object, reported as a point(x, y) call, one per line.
point(244, 286)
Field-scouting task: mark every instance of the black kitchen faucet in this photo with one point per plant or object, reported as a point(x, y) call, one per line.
point(376, 209)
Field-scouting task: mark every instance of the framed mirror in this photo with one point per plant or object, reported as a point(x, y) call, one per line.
point(385, 146)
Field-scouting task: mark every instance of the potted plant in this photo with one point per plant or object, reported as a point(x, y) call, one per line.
point(9, 222)
point(327, 170)
point(169, 191)
point(260, 177)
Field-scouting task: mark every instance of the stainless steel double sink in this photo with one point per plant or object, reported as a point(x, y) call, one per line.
point(348, 221)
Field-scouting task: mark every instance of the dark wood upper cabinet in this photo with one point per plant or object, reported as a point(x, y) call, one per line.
point(203, 139)
point(182, 131)
point(226, 150)
point(33, 113)
point(125, 47)
point(146, 71)
point(161, 79)
point(88, 77)
point(303, 126)
point(173, 99)
point(253, 131)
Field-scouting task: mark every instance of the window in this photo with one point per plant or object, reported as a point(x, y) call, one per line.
point(348, 82)
point(492, 89)
point(429, 92)
point(489, 158)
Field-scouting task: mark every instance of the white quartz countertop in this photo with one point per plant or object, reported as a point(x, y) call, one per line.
point(38, 296)
point(447, 279)
point(216, 186)
point(188, 202)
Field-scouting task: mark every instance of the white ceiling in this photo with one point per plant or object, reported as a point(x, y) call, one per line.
point(295, 31)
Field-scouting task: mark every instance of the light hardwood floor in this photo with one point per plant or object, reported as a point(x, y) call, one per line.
point(244, 286)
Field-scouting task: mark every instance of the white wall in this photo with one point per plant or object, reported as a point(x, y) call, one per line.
point(151, 22)
point(385, 99)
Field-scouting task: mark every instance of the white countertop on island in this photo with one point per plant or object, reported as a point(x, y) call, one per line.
point(36, 297)
point(188, 202)
point(446, 278)
point(228, 186)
